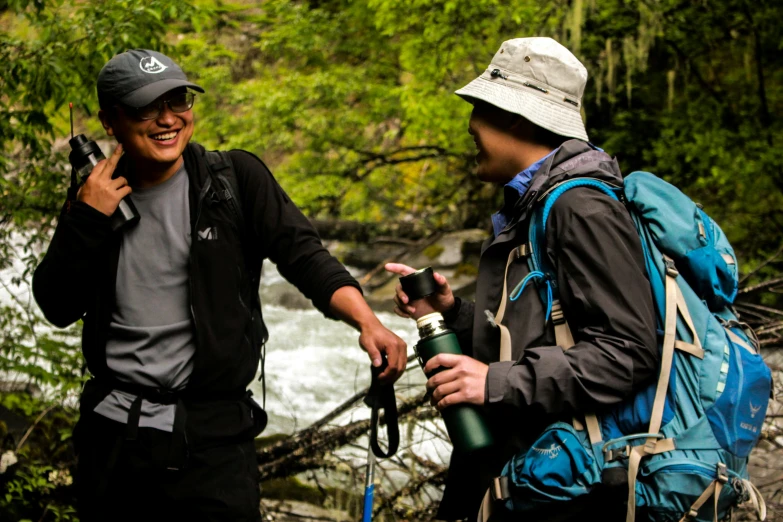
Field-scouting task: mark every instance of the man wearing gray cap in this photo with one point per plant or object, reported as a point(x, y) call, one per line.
point(173, 330)
point(528, 130)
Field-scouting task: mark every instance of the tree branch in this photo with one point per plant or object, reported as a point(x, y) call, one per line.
point(33, 425)
point(764, 117)
point(762, 265)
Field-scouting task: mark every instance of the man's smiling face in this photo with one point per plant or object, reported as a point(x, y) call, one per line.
point(160, 140)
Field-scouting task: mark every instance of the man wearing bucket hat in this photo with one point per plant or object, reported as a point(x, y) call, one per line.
point(528, 129)
point(173, 330)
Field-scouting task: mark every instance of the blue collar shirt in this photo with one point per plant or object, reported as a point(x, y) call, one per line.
point(513, 190)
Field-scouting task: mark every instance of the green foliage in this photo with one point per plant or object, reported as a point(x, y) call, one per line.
point(32, 494)
point(352, 103)
point(695, 103)
point(51, 360)
point(40, 485)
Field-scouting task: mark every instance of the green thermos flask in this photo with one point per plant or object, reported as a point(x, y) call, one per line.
point(466, 426)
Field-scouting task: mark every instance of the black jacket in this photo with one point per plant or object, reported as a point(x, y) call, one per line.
point(592, 243)
point(76, 278)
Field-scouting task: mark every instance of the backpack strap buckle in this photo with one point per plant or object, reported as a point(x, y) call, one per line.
point(499, 488)
point(723, 475)
point(671, 269)
point(618, 453)
point(523, 250)
point(558, 317)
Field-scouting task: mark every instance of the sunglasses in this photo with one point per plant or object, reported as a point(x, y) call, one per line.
point(178, 103)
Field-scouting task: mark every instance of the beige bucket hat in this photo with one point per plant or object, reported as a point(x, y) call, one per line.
point(536, 78)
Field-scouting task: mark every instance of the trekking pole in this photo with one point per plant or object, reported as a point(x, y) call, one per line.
point(369, 486)
point(379, 396)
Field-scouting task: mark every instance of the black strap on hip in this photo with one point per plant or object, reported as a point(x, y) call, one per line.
point(179, 442)
point(381, 396)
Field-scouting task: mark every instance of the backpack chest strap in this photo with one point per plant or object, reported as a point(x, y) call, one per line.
point(505, 336)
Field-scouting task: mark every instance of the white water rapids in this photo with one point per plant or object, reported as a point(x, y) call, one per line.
point(314, 364)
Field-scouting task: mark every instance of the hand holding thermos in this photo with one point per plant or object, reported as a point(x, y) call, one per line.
point(457, 380)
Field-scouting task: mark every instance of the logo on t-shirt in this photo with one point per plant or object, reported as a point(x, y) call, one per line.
point(150, 64)
point(209, 233)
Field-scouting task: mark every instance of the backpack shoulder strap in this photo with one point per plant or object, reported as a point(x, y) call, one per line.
point(550, 293)
point(540, 216)
point(538, 262)
point(222, 171)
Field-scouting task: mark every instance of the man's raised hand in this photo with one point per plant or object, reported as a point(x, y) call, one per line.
point(102, 192)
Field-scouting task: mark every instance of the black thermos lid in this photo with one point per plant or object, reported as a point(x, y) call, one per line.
point(420, 283)
point(81, 149)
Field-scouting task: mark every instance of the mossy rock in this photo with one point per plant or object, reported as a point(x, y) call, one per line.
point(466, 269)
point(433, 251)
point(291, 488)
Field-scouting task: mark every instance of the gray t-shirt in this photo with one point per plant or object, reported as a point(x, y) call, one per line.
point(151, 333)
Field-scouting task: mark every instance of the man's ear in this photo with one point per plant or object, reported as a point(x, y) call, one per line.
point(106, 121)
point(517, 122)
point(521, 127)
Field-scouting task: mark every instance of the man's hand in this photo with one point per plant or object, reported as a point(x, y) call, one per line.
point(440, 301)
point(100, 191)
point(462, 379)
point(348, 304)
point(378, 339)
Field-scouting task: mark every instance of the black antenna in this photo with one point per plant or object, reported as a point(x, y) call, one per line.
point(70, 106)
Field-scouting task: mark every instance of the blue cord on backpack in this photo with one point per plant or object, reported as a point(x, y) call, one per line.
point(517, 291)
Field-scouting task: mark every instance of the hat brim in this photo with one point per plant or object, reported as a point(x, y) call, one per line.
point(544, 113)
point(149, 93)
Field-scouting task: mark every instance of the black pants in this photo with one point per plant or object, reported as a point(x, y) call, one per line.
point(120, 480)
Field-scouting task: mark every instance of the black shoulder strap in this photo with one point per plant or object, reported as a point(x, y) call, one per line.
point(222, 171)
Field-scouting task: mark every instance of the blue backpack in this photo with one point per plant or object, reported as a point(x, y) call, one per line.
point(684, 441)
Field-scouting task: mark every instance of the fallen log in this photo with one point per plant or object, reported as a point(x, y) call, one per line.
point(306, 449)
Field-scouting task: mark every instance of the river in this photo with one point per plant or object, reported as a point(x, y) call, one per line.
point(313, 364)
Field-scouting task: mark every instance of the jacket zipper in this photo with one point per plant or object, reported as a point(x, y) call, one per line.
point(680, 466)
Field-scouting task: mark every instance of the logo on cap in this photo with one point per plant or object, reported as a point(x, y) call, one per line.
point(150, 64)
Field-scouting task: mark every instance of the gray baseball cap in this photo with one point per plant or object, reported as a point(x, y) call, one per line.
point(136, 78)
point(536, 78)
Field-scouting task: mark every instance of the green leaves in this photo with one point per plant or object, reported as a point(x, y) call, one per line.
point(38, 485)
point(331, 91)
point(352, 105)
